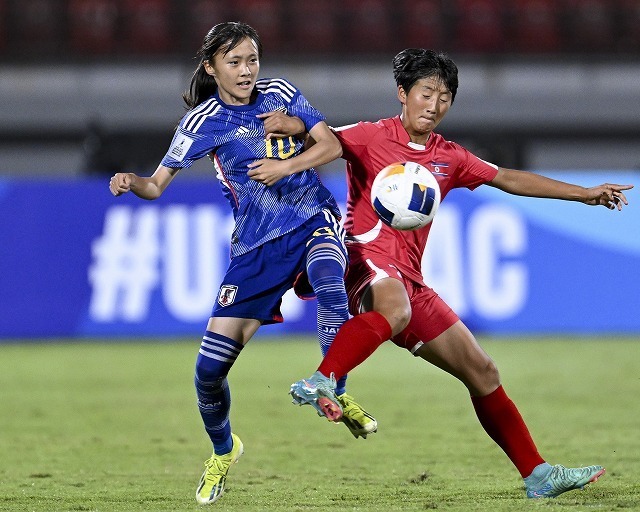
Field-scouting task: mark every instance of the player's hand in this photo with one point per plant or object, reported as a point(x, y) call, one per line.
point(120, 183)
point(277, 124)
point(607, 194)
point(268, 171)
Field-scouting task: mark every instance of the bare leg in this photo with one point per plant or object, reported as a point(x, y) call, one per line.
point(457, 352)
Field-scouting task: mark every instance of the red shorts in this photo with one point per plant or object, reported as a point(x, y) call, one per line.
point(430, 315)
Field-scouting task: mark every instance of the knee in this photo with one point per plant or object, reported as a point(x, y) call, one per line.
point(398, 318)
point(209, 371)
point(325, 261)
point(491, 373)
point(486, 378)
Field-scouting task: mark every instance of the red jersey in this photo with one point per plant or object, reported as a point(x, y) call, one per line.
point(370, 147)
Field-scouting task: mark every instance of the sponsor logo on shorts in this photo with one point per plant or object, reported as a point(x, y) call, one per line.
point(227, 294)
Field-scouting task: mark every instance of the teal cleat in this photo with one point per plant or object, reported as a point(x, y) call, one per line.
point(559, 479)
point(319, 392)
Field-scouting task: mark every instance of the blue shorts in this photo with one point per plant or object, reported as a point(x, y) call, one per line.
point(256, 281)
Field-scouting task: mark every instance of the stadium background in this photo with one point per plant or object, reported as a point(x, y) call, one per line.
point(90, 87)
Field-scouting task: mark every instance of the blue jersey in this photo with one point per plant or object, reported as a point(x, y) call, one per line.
point(233, 137)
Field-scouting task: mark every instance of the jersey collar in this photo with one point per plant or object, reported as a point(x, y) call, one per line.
point(404, 138)
point(241, 108)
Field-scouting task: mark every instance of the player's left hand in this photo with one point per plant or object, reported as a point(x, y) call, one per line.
point(268, 171)
point(609, 195)
point(277, 124)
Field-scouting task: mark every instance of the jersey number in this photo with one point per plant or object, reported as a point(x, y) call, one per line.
point(282, 154)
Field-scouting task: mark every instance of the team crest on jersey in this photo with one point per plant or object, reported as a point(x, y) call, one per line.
point(227, 294)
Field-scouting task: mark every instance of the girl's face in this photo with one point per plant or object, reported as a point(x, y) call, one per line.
point(423, 107)
point(235, 72)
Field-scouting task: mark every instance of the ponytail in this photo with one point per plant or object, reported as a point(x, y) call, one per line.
point(202, 87)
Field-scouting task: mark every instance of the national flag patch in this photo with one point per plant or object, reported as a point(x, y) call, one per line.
point(437, 168)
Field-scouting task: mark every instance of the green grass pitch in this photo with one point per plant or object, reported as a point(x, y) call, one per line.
point(92, 426)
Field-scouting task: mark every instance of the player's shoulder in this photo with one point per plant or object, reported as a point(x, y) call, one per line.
point(448, 145)
point(371, 128)
point(195, 118)
point(279, 86)
point(456, 155)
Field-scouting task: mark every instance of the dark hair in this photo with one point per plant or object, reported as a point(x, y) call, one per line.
point(223, 37)
point(413, 64)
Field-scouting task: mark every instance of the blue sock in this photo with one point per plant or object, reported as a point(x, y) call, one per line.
point(216, 356)
point(325, 270)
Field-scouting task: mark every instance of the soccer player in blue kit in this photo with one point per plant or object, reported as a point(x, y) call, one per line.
point(287, 231)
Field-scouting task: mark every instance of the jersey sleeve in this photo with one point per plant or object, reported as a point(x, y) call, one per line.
point(473, 170)
point(296, 104)
point(186, 147)
point(354, 139)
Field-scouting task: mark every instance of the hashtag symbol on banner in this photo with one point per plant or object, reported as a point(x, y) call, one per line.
point(124, 271)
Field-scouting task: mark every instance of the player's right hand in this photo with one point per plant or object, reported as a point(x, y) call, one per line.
point(120, 183)
point(279, 125)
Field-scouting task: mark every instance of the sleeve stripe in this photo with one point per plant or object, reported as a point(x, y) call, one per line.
point(194, 120)
point(278, 86)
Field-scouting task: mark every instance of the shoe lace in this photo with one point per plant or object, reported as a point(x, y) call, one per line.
point(345, 400)
point(214, 462)
point(318, 380)
point(348, 404)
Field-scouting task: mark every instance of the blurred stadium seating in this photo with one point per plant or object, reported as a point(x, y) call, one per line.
point(69, 30)
point(72, 68)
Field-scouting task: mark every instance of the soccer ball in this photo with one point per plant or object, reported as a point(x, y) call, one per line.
point(405, 195)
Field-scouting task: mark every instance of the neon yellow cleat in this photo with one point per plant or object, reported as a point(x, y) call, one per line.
point(358, 421)
point(211, 486)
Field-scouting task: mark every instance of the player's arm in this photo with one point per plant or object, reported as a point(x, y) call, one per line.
point(523, 183)
point(150, 187)
point(326, 149)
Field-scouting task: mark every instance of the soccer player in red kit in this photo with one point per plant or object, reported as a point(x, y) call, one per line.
point(387, 293)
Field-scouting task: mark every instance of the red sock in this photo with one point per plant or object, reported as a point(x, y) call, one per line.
point(502, 421)
point(356, 340)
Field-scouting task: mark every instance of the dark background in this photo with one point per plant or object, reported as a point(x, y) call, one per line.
point(94, 86)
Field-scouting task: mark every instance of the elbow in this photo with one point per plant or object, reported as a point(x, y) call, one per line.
point(156, 192)
point(148, 193)
point(336, 150)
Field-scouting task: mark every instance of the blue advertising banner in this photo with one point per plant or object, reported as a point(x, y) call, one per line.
point(78, 262)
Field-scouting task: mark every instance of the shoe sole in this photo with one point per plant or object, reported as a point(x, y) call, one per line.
point(331, 410)
point(595, 477)
point(323, 405)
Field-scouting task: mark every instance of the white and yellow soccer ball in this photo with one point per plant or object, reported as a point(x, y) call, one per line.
point(405, 195)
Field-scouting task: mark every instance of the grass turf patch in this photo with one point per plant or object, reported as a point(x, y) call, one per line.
point(92, 426)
